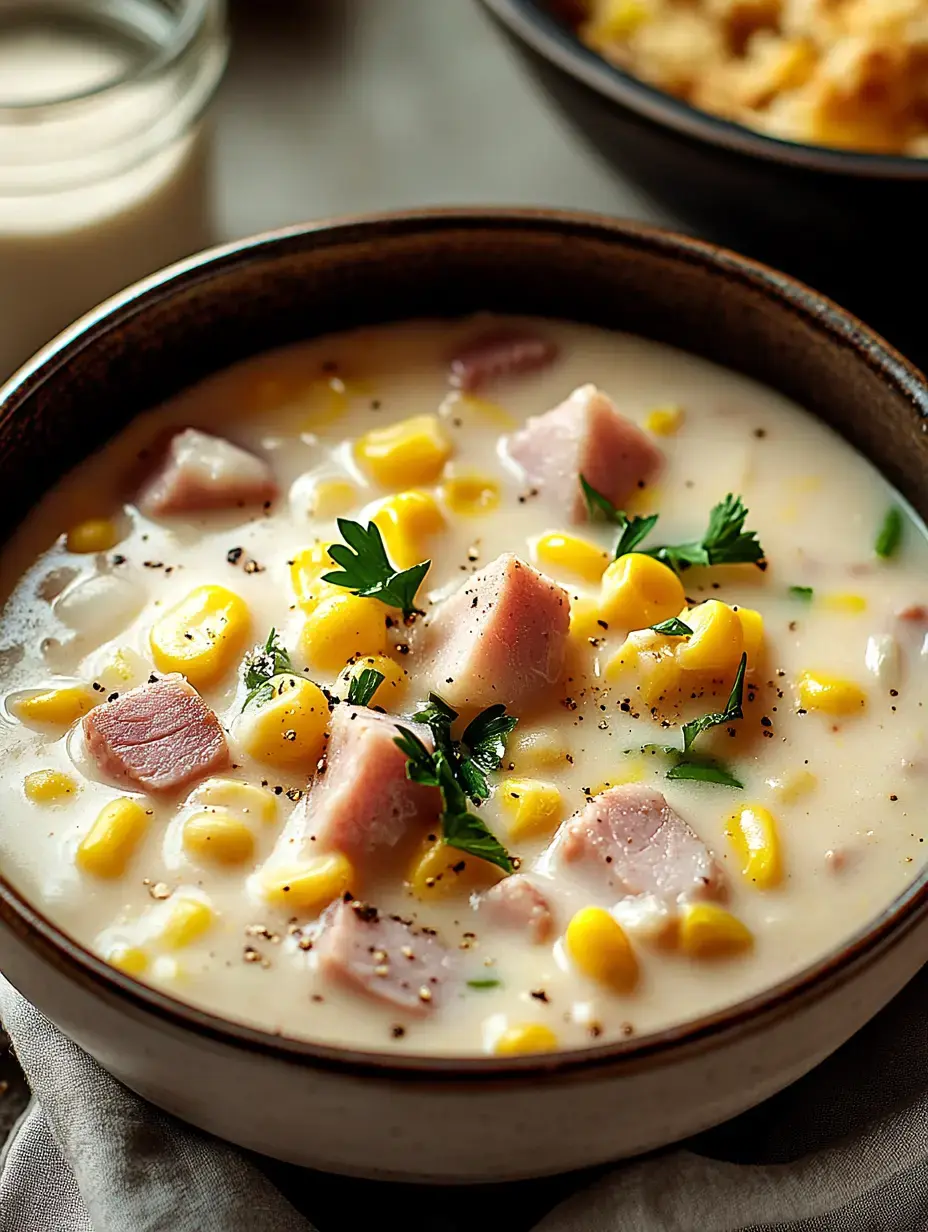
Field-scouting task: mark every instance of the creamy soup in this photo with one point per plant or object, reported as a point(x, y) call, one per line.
point(200, 767)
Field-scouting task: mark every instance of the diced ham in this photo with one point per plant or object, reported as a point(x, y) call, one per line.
point(201, 472)
point(382, 956)
point(585, 436)
point(362, 801)
point(158, 737)
point(515, 904)
point(628, 841)
point(500, 638)
point(497, 354)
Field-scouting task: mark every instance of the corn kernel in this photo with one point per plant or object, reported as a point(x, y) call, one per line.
point(638, 591)
point(470, 496)
point(585, 621)
point(717, 642)
point(60, 707)
point(187, 920)
point(753, 833)
point(569, 554)
point(525, 1038)
point(844, 604)
point(329, 398)
point(534, 808)
point(709, 931)
point(652, 658)
point(441, 871)
point(306, 570)
point(597, 946)
point(94, 535)
point(310, 887)
point(240, 799)
point(130, 959)
point(536, 750)
point(390, 690)
point(49, 786)
point(332, 497)
point(109, 844)
point(218, 836)
point(752, 632)
point(286, 723)
point(830, 694)
point(664, 420)
point(202, 636)
point(632, 770)
point(794, 786)
point(406, 453)
point(406, 521)
point(614, 21)
point(459, 404)
point(341, 628)
point(124, 670)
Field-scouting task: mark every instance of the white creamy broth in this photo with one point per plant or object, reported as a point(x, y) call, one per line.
point(842, 789)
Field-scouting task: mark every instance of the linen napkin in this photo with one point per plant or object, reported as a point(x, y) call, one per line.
point(844, 1150)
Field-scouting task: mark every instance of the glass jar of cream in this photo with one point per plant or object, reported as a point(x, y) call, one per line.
point(104, 152)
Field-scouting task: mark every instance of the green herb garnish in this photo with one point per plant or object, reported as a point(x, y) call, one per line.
point(805, 593)
point(484, 983)
point(674, 627)
point(633, 529)
point(725, 542)
point(460, 829)
point(889, 539)
point(731, 712)
point(261, 665)
point(363, 686)
point(366, 569)
point(703, 771)
point(480, 749)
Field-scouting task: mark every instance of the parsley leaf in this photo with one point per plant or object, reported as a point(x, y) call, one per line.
point(725, 542)
point(704, 770)
point(261, 665)
point(805, 593)
point(890, 536)
point(363, 686)
point(633, 529)
point(731, 712)
point(484, 739)
point(599, 507)
point(674, 627)
point(366, 569)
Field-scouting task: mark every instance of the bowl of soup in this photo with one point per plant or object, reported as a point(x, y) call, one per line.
point(462, 677)
point(792, 131)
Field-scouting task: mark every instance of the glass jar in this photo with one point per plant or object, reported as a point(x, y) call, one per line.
point(104, 152)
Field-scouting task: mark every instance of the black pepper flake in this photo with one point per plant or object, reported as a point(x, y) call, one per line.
point(894, 798)
point(539, 994)
point(97, 688)
point(234, 555)
point(765, 722)
point(112, 697)
point(153, 679)
point(397, 1031)
point(119, 560)
point(294, 794)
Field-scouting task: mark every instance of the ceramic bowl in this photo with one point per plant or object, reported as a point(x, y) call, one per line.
point(419, 1117)
point(848, 222)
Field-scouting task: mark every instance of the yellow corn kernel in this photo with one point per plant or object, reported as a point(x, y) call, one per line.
point(830, 694)
point(342, 627)
point(309, 887)
point(441, 871)
point(406, 453)
point(569, 554)
point(638, 591)
point(709, 931)
point(597, 945)
point(94, 535)
point(124, 670)
point(217, 835)
point(202, 636)
point(390, 690)
point(644, 500)
point(525, 1038)
point(463, 404)
point(49, 786)
point(753, 833)
point(406, 521)
point(652, 660)
point(664, 420)
point(585, 621)
point(536, 750)
point(717, 642)
point(794, 786)
point(332, 497)
point(306, 570)
point(240, 799)
point(752, 632)
point(187, 920)
point(60, 707)
point(286, 728)
point(614, 21)
point(329, 398)
point(844, 604)
point(107, 847)
point(130, 959)
point(533, 807)
point(631, 771)
point(470, 495)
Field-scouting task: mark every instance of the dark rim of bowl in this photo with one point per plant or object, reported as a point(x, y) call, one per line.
point(835, 969)
point(553, 40)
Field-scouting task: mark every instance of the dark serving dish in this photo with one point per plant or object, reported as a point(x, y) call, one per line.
point(853, 224)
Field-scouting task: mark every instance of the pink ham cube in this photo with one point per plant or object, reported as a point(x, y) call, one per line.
point(585, 436)
point(201, 472)
point(516, 905)
point(499, 353)
point(159, 737)
point(501, 637)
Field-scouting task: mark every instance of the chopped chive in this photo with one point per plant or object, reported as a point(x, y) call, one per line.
point(483, 983)
point(890, 536)
point(804, 593)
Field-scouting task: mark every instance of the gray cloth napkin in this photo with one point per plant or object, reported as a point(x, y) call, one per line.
point(844, 1150)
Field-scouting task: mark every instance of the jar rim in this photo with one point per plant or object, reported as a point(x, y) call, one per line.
point(191, 20)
